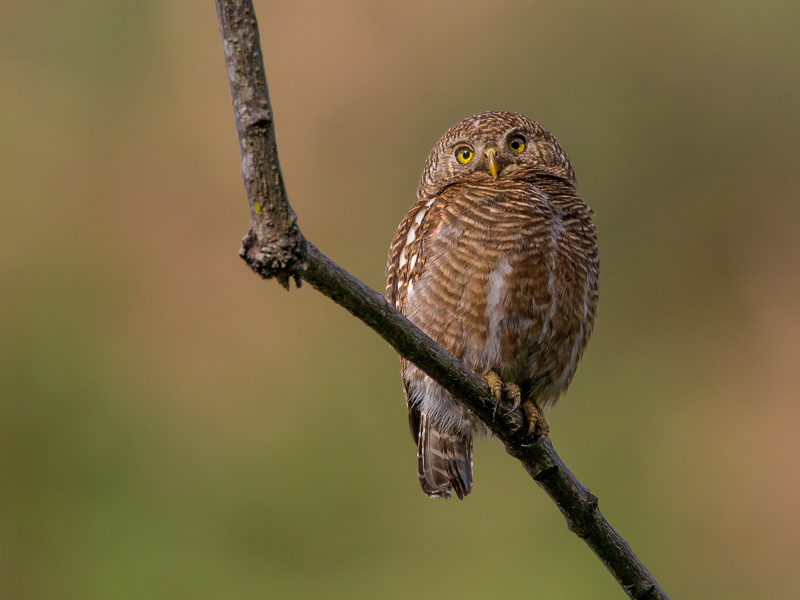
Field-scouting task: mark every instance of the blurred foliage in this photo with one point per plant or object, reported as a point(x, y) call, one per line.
point(170, 426)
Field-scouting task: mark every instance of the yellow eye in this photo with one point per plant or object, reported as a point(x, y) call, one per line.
point(517, 143)
point(463, 155)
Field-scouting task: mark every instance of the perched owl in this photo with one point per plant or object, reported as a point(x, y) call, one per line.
point(497, 261)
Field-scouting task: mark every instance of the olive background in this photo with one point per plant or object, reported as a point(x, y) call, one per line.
point(171, 426)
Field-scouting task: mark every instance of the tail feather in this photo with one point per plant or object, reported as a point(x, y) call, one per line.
point(444, 461)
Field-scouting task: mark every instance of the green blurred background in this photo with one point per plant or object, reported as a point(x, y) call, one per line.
point(173, 427)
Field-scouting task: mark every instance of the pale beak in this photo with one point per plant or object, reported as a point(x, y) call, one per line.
point(491, 157)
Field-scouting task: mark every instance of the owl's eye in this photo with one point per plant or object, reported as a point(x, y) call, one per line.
point(517, 143)
point(463, 155)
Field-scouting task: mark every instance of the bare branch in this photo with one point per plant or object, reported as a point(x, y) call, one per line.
point(274, 247)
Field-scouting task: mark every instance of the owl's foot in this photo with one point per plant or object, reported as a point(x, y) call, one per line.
point(534, 415)
point(497, 386)
point(537, 423)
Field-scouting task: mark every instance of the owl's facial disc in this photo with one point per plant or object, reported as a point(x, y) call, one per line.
point(491, 159)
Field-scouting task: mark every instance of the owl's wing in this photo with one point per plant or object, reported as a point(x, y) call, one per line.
point(406, 254)
point(406, 263)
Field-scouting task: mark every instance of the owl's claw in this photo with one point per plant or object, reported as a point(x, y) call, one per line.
point(513, 391)
point(538, 426)
point(495, 384)
point(537, 423)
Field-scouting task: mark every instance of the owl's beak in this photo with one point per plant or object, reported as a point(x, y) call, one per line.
point(491, 158)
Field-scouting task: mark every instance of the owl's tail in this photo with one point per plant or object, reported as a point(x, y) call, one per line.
point(444, 461)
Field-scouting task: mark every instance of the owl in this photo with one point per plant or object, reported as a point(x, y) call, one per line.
point(497, 261)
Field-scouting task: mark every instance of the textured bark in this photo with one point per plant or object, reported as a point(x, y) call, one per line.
point(274, 247)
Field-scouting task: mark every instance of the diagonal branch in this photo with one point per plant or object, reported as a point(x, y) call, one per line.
point(275, 247)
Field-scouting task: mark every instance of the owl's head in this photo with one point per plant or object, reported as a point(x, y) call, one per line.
point(493, 146)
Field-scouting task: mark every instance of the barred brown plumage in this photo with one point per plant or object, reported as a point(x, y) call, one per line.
point(497, 261)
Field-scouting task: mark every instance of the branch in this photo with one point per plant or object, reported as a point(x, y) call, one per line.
point(275, 247)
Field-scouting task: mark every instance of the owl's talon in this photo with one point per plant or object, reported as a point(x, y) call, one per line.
point(515, 393)
point(495, 384)
point(538, 426)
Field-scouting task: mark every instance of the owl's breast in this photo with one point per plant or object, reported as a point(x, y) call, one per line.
point(505, 287)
